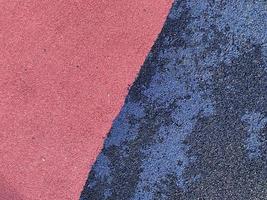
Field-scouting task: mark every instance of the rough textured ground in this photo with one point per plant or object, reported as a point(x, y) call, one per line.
point(194, 124)
point(65, 66)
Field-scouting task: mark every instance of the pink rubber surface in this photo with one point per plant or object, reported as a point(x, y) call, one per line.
point(64, 71)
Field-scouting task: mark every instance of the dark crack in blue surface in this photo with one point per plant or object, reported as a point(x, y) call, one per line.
point(194, 124)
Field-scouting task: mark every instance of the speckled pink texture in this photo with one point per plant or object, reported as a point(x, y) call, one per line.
point(64, 71)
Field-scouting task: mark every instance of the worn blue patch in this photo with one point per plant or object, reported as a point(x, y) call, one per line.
point(255, 123)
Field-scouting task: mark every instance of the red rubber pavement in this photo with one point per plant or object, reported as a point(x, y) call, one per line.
point(64, 71)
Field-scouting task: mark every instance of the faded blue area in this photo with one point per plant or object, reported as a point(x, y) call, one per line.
point(107, 193)
point(124, 129)
point(102, 166)
point(179, 83)
point(102, 170)
point(176, 82)
point(255, 123)
point(264, 53)
point(251, 21)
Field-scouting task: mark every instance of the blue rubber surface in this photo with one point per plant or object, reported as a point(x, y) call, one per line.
point(194, 124)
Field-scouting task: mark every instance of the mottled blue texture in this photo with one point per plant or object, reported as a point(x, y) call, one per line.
point(255, 123)
point(194, 124)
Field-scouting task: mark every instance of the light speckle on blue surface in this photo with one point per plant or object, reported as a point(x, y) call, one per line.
point(102, 166)
point(255, 123)
point(125, 131)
